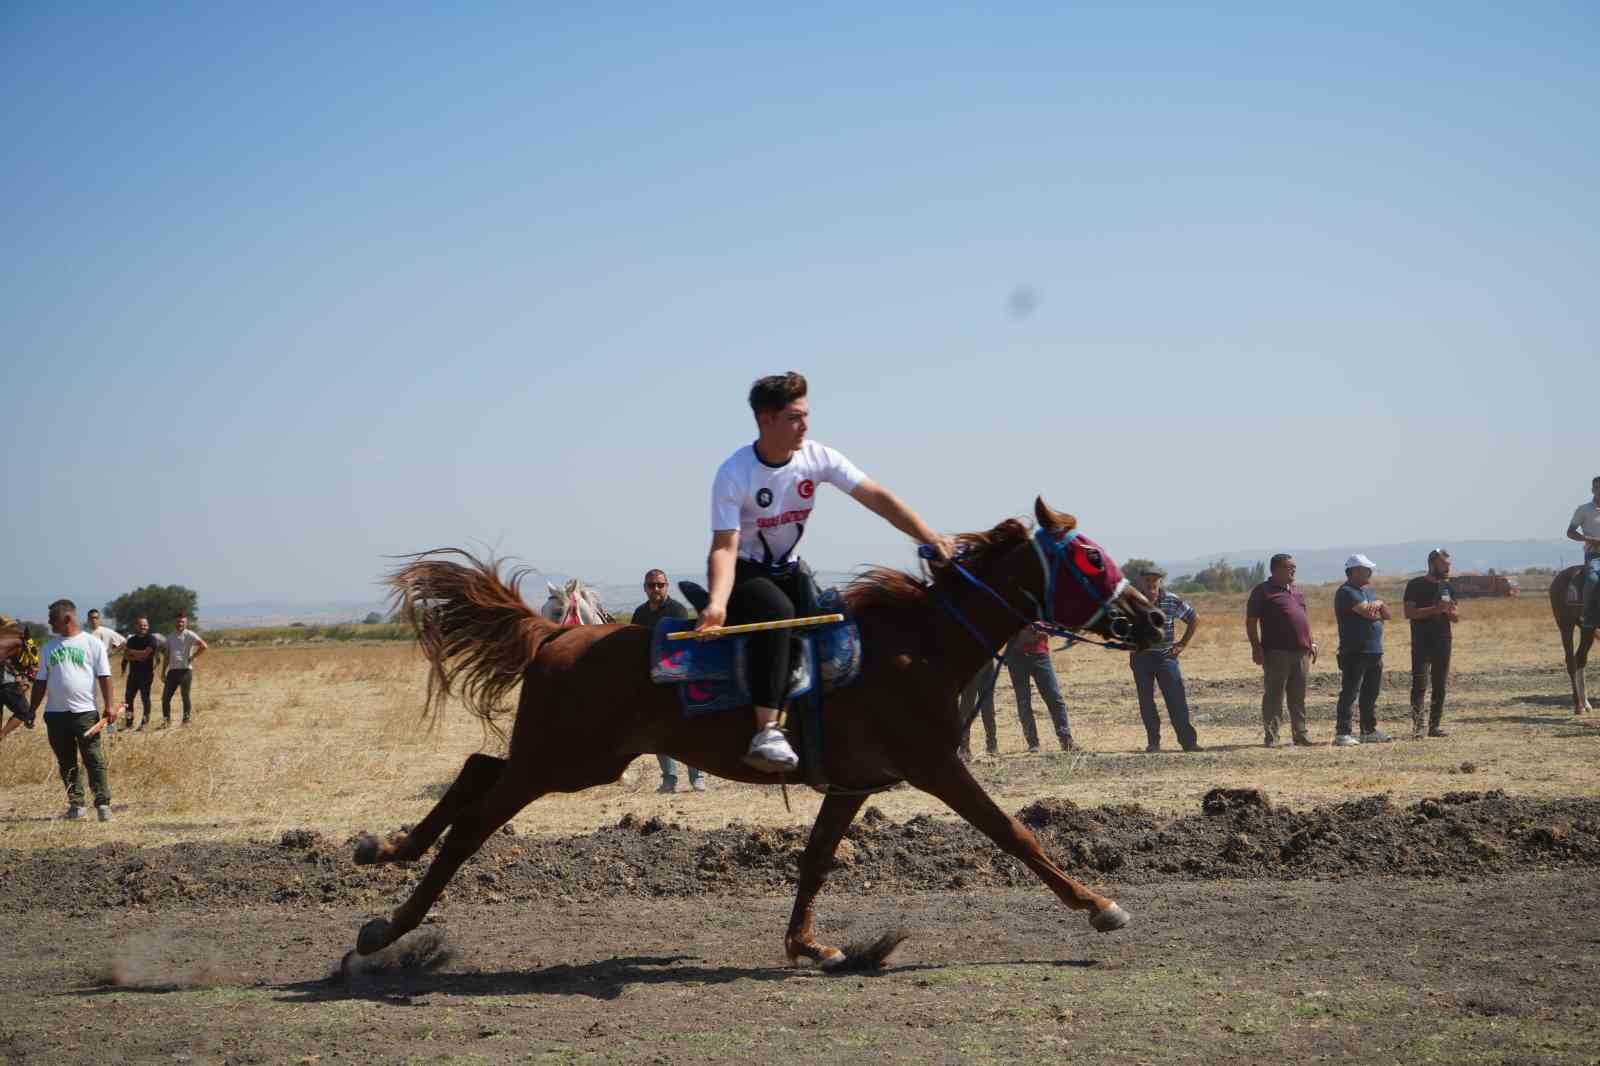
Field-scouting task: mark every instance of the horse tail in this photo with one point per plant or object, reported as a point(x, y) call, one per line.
point(473, 626)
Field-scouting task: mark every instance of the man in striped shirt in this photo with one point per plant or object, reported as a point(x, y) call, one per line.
point(1158, 665)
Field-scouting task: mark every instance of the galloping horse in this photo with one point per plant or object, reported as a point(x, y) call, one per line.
point(574, 605)
point(588, 708)
point(1568, 613)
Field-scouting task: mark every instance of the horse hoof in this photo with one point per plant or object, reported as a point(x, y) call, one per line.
point(1109, 919)
point(832, 959)
point(368, 848)
point(374, 936)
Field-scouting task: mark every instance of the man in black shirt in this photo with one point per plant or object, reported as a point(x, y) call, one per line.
point(656, 606)
point(139, 663)
point(1431, 606)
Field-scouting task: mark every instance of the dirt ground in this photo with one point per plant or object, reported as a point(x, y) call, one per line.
point(1457, 929)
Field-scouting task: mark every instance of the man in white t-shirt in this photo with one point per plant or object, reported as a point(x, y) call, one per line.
point(113, 641)
point(71, 667)
point(1585, 528)
point(761, 502)
point(179, 651)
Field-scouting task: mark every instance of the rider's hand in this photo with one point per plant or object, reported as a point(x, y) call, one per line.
point(712, 617)
point(1258, 655)
point(943, 546)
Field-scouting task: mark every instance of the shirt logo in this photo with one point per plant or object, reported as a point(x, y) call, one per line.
point(64, 654)
point(807, 489)
point(764, 497)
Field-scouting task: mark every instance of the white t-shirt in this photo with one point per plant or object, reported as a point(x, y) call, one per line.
point(1586, 519)
point(68, 667)
point(109, 637)
point(180, 649)
point(770, 505)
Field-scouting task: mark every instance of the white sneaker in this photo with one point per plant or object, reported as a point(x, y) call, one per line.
point(1345, 740)
point(74, 813)
point(1377, 736)
point(770, 752)
point(103, 811)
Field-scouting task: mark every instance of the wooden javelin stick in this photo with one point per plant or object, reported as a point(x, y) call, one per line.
point(755, 627)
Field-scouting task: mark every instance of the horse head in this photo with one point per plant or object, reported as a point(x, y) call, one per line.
point(573, 605)
point(1058, 575)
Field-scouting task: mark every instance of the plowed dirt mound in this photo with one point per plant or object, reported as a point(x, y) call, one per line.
point(1456, 834)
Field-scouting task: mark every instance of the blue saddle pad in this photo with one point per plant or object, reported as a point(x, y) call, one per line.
point(712, 675)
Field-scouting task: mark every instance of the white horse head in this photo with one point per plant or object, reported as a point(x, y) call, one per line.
point(574, 605)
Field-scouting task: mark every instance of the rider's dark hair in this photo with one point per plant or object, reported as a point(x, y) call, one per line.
point(776, 391)
point(1278, 560)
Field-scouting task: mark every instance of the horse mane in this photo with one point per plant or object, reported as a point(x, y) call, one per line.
point(884, 588)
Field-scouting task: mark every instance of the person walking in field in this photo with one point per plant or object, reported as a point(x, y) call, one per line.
point(71, 667)
point(659, 604)
point(1158, 665)
point(1279, 629)
point(1028, 659)
point(1360, 615)
point(1585, 529)
point(181, 651)
point(139, 664)
point(1430, 604)
point(977, 700)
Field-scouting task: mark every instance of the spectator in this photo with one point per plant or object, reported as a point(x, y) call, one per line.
point(70, 668)
point(180, 652)
point(978, 698)
point(1360, 615)
point(110, 638)
point(1585, 528)
point(656, 606)
point(1028, 657)
point(107, 636)
point(139, 663)
point(1159, 665)
point(19, 664)
point(1279, 629)
point(1431, 606)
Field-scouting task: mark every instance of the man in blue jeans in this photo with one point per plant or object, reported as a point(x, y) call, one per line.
point(1585, 528)
point(1158, 665)
point(1028, 659)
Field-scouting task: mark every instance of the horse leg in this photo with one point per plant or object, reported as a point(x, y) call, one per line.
point(477, 776)
point(835, 817)
point(512, 791)
point(1580, 685)
point(948, 780)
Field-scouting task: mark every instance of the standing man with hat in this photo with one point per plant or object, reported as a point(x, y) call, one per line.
point(1430, 604)
point(1360, 615)
point(1158, 665)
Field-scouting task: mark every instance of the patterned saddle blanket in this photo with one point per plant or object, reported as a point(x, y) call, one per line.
point(711, 675)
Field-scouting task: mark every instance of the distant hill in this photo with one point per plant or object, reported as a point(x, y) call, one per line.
point(1317, 565)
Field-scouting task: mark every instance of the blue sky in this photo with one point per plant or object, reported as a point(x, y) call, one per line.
point(290, 289)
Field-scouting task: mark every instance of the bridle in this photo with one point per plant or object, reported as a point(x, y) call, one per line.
point(1056, 554)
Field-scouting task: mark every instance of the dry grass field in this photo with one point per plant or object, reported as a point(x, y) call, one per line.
point(326, 736)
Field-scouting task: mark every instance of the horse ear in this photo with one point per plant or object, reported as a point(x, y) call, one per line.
point(1049, 518)
point(551, 585)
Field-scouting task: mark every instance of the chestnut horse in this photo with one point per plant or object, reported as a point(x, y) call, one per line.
point(588, 708)
point(1567, 615)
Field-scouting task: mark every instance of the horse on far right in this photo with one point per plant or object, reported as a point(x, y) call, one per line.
point(1566, 604)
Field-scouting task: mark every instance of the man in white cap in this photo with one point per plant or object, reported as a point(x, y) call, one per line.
point(1361, 616)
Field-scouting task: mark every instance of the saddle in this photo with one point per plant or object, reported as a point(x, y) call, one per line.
point(712, 675)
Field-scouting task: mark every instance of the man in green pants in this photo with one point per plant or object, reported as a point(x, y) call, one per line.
point(70, 666)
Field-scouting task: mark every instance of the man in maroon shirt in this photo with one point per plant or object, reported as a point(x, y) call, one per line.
point(1279, 629)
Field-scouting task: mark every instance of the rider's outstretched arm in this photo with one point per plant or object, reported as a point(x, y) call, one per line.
point(892, 509)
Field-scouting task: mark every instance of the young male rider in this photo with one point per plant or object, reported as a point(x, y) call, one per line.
point(761, 500)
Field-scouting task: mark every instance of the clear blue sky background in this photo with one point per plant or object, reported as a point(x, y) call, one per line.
point(290, 287)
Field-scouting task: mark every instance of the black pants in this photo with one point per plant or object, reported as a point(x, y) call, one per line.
point(1363, 678)
point(759, 596)
point(14, 698)
point(176, 680)
point(138, 685)
point(1428, 664)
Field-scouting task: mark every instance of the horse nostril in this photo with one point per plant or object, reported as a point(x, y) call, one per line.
point(1157, 620)
point(1121, 628)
